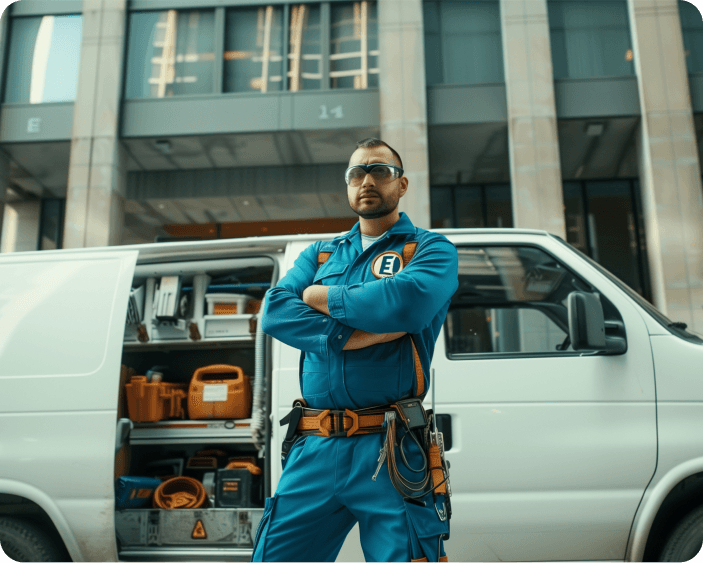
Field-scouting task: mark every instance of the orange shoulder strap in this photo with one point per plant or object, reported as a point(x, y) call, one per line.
point(408, 252)
point(322, 257)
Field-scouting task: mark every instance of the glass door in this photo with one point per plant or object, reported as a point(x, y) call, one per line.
point(604, 220)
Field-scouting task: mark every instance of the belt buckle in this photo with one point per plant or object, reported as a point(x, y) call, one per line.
point(337, 424)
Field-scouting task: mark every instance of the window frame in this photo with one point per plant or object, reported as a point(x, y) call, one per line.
point(464, 356)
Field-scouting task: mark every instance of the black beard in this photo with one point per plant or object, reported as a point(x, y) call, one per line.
point(386, 208)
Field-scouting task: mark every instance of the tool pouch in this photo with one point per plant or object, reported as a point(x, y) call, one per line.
point(292, 435)
point(412, 413)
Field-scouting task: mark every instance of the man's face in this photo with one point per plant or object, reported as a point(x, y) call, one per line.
point(373, 199)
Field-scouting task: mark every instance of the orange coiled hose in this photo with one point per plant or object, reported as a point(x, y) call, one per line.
point(180, 492)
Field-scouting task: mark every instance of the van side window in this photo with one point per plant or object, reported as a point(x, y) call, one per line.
point(513, 300)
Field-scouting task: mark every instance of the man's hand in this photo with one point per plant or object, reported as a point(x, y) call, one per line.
point(360, 339)
point(315, 296)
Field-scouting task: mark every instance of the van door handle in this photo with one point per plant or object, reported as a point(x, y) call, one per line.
point(124, 427)
point(444, 425)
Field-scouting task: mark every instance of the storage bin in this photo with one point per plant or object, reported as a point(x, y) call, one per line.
point(219, 391)
point(134, 492)
point(226, 303)
point(151, 402)
point(226, 326)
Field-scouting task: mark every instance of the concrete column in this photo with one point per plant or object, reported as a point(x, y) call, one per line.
point(535, 171)
point(670, 175)
point(20, 226)
point(97, 169)
point(402, 87)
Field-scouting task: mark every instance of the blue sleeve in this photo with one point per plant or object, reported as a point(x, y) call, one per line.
point(406, 302)
point(287, 318)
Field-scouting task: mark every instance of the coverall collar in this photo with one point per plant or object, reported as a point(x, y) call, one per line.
point(402, 226)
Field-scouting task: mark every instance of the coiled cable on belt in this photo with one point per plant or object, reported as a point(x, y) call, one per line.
point(404, 486)
point(180, 492)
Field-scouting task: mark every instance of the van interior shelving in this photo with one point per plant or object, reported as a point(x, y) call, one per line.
point(184, 316)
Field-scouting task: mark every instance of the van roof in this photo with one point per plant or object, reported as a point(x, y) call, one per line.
point(275, 243)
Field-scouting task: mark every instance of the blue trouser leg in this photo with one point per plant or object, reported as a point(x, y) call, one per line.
point(325, 488)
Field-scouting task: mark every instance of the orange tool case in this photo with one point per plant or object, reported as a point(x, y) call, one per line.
point(219, 391)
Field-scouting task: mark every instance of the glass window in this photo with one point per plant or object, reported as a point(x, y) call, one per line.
point(590, 38)
point(354, 45)
point(469, 207)
point(514, 300)
point(499, 207)
point(602, 220)
point(44, 58)
point(170, 53)
point(51, 224)
point(692, 28)
point(441, 204)
point(305, 48)
point(254, 50)
point(463, 42)
point(472, 206)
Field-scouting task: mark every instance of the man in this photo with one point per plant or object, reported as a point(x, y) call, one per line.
point(365, 310)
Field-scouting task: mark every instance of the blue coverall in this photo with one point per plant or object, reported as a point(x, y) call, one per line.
point(326, 485)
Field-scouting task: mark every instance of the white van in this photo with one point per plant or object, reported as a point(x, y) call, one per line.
point(556, 453)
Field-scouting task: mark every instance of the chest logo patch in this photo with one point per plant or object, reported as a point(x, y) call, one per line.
point(387, 264)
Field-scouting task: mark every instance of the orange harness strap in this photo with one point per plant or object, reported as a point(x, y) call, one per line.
point(408, 253)
point(322, 257)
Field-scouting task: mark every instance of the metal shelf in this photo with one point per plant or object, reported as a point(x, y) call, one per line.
point(192, 432)
point(227, 342)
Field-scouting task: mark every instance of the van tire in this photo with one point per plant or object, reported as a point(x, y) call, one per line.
point(685, 540)
point(22, 540)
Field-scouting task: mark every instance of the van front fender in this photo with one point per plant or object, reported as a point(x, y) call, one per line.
point(653, 498)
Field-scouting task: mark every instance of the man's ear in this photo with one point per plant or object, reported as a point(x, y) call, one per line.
point(403, 185)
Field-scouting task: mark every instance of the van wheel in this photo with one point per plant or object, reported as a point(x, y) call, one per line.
point(22, 540)
point(685, 541)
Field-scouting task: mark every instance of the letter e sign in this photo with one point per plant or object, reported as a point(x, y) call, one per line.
point(33, 124)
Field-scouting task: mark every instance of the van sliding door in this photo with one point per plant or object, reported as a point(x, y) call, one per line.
point(62, 317)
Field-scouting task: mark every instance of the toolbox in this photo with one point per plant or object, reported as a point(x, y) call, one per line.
point(151, 402)
point(219, 391)
point(238, 485)
point(187, 527)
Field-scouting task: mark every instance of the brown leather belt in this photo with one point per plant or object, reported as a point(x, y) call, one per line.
point(333, 423)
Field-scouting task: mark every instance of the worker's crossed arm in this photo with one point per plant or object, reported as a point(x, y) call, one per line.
point(319, 318)
point(316, 297)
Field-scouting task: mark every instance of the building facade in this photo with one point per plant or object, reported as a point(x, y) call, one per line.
point(129, 121)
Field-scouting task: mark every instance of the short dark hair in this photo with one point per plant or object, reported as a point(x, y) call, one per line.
point(371, 142)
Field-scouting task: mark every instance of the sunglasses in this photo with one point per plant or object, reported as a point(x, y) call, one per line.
point(355, 175)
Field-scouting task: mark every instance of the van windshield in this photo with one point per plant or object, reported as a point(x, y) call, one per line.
point(675, 328)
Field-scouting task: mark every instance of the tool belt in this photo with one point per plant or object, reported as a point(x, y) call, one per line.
point(408, 414)
point(304, 421)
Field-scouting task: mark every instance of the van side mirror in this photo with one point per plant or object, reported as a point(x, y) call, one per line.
point(586, 322)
